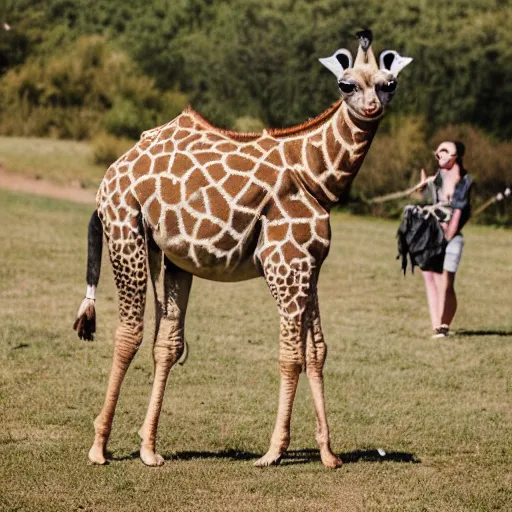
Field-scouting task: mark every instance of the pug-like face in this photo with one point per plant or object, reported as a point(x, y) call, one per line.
point(366, 87)
point(366, 91)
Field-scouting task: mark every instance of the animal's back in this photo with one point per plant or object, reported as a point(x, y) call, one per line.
point(200, 190)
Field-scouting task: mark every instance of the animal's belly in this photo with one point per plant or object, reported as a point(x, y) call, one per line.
point(217, 269)
point(207, 262)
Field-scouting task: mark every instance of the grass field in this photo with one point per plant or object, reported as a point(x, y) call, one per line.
point(442, 410)
point(59, 161)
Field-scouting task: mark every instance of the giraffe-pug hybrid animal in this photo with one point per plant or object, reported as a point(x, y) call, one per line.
point(194, 200)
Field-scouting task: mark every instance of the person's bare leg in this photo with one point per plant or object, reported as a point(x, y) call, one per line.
point(440, 285)
point(432, 297)
point(450, 298)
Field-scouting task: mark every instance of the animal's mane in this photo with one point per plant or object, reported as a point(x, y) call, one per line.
point(273, 132)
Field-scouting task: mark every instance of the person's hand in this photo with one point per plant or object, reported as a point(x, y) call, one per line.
point(423, 180)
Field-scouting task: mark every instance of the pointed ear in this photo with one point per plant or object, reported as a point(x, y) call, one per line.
point(393, 62)
point(339, 61)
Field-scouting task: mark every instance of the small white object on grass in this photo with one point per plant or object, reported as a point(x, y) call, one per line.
point(381, 452)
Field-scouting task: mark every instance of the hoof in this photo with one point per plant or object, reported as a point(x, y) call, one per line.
point(150, 458)
point(269, 459)
point(97, 456)
point(330, 461)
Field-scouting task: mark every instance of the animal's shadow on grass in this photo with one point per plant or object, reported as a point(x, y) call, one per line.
point(228, 454)
point(21, 345)
point(482, 332)
point(375, 456)
point(312, 455)
point(291, 457)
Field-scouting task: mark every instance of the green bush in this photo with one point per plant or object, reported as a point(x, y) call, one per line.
point(124, 118)
point(395, 158)
point(106, 148)
point(248, 124)
point(90, 87)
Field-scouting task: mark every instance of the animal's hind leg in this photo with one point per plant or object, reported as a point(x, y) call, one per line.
point(171, 304)
point(127, 247)
point(316, 351)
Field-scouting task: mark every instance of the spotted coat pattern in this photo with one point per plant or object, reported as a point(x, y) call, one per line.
point(227, 206)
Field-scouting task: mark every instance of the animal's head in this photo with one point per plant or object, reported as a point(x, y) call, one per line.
point(366, 87)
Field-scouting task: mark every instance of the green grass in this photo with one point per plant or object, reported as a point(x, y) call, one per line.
point(61, 161)
point(441, 409)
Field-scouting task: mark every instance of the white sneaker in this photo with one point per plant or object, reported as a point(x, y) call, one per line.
point(443, 331)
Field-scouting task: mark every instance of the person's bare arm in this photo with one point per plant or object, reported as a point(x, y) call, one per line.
point(417, 195)
point(450, 229)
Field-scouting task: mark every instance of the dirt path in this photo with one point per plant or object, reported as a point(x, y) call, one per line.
point(45, 188)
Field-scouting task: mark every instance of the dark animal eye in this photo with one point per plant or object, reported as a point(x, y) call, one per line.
point(347, 87)
point(389, 87)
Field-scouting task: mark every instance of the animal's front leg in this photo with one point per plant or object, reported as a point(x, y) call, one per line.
point(316, 351)
point(289, 280)
point(291, 358)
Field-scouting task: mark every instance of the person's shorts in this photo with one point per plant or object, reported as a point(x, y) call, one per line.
point(453, 253)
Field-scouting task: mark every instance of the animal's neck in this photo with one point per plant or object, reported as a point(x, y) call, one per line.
point(332, 155)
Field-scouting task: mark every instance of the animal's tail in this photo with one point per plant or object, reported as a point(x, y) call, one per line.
point(85, 323)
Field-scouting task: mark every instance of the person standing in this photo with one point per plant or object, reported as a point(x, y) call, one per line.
point(450, 189)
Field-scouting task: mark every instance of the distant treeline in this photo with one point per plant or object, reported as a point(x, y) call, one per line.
point(76, 68)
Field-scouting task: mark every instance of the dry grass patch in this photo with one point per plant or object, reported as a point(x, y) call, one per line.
point(63, 162)
point(441, 410)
